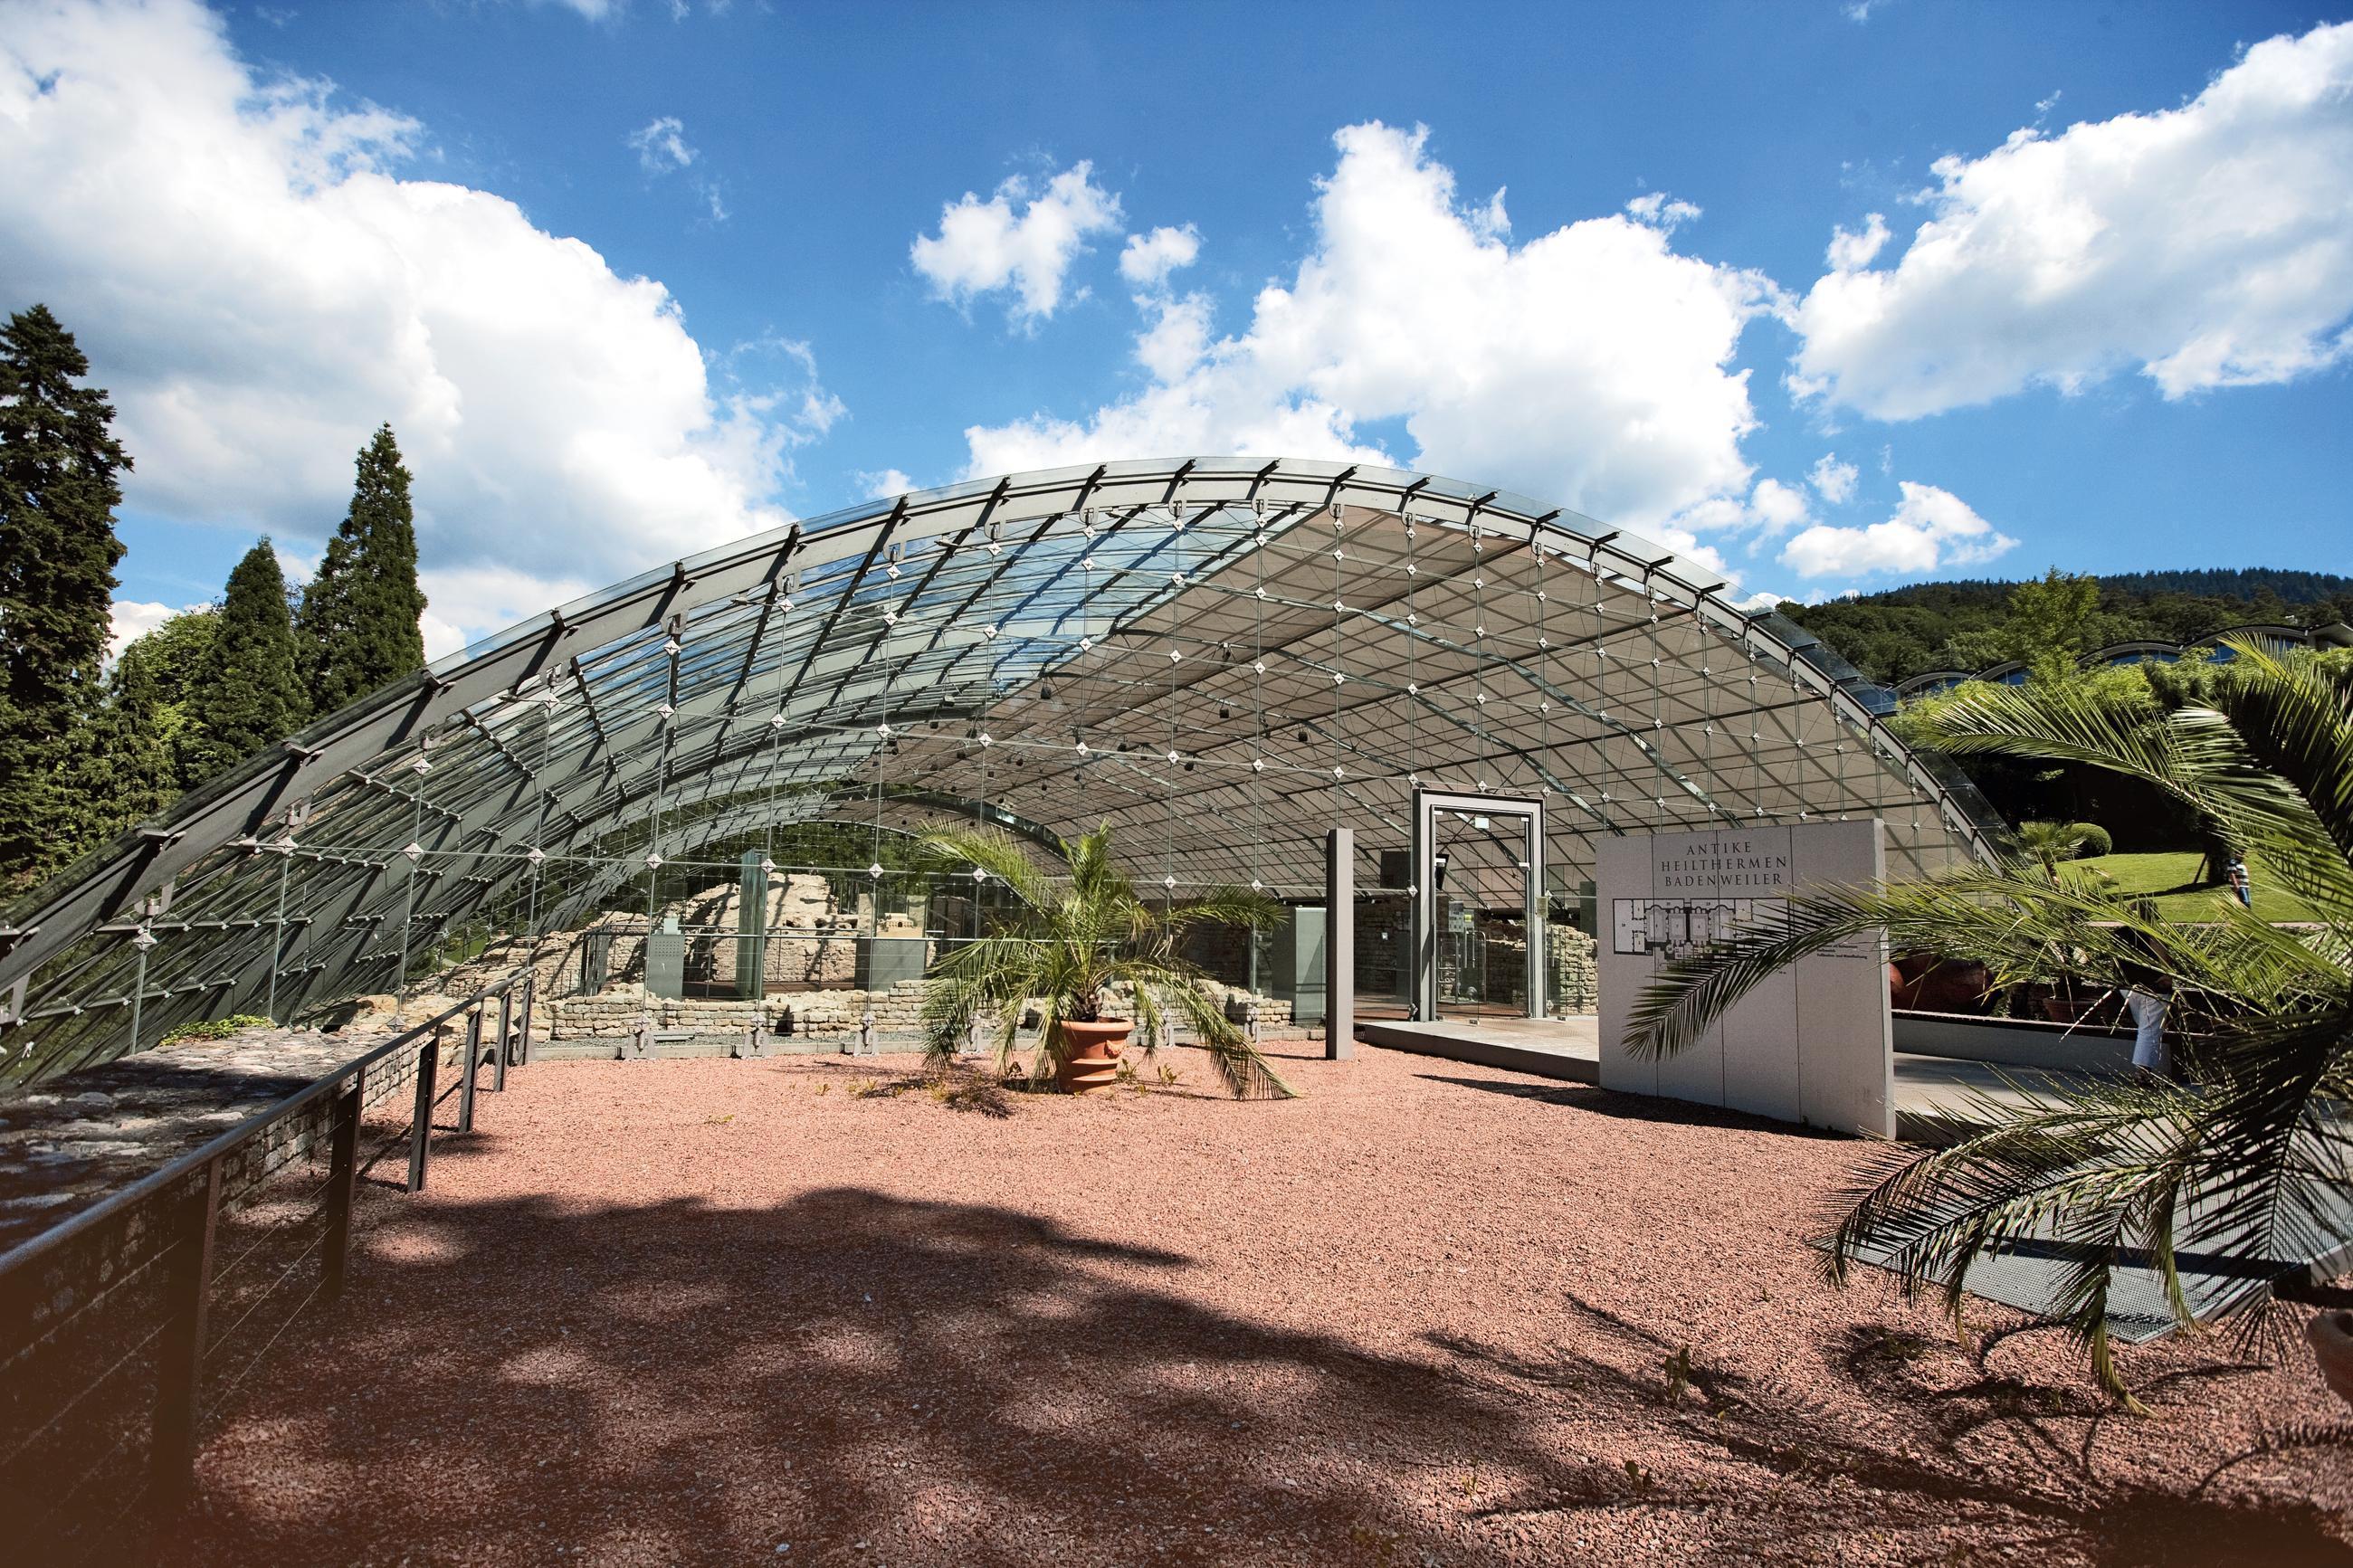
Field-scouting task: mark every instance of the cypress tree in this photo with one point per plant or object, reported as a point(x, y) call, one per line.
point(248, 690)
point(127, 758)
point(358, 623)
point(155, 680)
point(59, 464)
point(119, 765)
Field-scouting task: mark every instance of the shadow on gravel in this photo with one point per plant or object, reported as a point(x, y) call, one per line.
point(2062, 1511)
point(1615, 1102)
point(943, 1383)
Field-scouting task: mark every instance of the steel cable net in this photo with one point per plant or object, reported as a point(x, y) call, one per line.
point(1220, 658)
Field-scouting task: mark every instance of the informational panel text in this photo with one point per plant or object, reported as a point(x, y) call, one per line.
point(1813, 1043)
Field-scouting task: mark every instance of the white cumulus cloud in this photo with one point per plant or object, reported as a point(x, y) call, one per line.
point(1931, 528)
point(1660, 210)
point(1778, 507)
point(1849, 251)
point(133, 618)
point(258, 288)
point(985, 245)
point(1149, 258)
point(1833, 481)
point(2206, 245)
point(1591, 366)
point(662, 145)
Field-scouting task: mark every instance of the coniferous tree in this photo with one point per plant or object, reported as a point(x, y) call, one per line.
point(155, 680)
point(127, 758)
point(248, 692)
point(119, 767)
point(60, 465)
point(358, 623)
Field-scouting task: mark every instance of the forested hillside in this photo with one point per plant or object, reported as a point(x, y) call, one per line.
point(1968, 625)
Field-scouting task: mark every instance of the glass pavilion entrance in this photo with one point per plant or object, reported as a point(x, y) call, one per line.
point(1220, 658)
point(1479, 908)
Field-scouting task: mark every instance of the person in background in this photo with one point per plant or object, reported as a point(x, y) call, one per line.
point(2149, 992)
point(2240, 883)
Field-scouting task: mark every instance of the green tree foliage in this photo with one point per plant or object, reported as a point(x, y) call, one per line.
point(248, 690)
point(2048, 621)
point(128, 757)
point(358, 622)
point(59, 468)
point(2046, 844)
point(1903, 632)
point(2234, 1162)
point(121, 765)
point(157, 679)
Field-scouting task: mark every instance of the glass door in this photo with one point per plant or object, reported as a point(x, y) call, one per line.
point(1477, 894)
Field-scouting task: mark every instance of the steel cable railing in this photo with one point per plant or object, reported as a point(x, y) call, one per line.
point(111, 1323)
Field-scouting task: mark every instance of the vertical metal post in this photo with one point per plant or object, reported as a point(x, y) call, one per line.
point(420, 1132)
point(1539, 912)
point(342, 1178)
point(472, 1069)
point(1340, 944)
point(522, 1052)
point(506, 1040)
point(408, 890)
point(278, 948)
point(180, 1353)
point(143, 941)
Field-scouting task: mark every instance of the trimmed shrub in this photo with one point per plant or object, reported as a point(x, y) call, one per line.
point(215, 1028)
point(2096, 838)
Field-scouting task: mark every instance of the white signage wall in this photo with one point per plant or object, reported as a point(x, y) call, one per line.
point(1812, 1044)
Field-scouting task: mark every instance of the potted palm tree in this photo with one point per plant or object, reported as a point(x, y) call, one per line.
point(1077, 945)
point(2243, 1156)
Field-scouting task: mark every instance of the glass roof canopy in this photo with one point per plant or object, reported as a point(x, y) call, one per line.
point(1220, 656)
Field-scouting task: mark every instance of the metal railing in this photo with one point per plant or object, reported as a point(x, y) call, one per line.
point(116, 1324)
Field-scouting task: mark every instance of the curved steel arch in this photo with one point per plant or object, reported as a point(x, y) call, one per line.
point(1052, 645)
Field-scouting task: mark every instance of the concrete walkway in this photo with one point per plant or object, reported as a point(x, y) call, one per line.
point(1932, 1093)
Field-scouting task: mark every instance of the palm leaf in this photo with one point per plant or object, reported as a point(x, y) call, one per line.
point(2252, 1157)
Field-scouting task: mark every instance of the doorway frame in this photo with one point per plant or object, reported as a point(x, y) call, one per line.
point(1427, 805)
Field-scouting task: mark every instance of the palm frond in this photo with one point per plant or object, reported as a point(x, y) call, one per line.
point(996, 853)
point(1071, 942)
point(2251, 1161)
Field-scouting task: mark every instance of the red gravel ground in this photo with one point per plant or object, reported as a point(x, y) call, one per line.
point(805, 1311)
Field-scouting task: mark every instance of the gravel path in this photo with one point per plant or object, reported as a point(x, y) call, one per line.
point(803, 1310)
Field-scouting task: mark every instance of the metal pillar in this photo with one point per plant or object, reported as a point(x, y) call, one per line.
point(506, 1040)
point(342, 1176)
point(1340, 944)
point(180, 1358)
point(278, 949)
point(420, 1131)
point(522, 1044)
point(473, 1049)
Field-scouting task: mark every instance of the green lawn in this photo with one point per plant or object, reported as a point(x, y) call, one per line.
point(2172, 877)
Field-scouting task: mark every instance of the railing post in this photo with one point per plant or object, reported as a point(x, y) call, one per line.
point(472, 1069)
point(180, 1353)
point(420, 1132)
point(342, 1177)
point(506, 1040)
point(522, 1055)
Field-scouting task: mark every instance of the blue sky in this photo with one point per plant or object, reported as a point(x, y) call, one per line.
point(632, 279)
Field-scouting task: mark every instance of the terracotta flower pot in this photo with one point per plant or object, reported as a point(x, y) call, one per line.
point(2331, 1334)
point(1090, 1054)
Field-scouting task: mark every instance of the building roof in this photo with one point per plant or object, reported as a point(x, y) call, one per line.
point(1220, 656)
